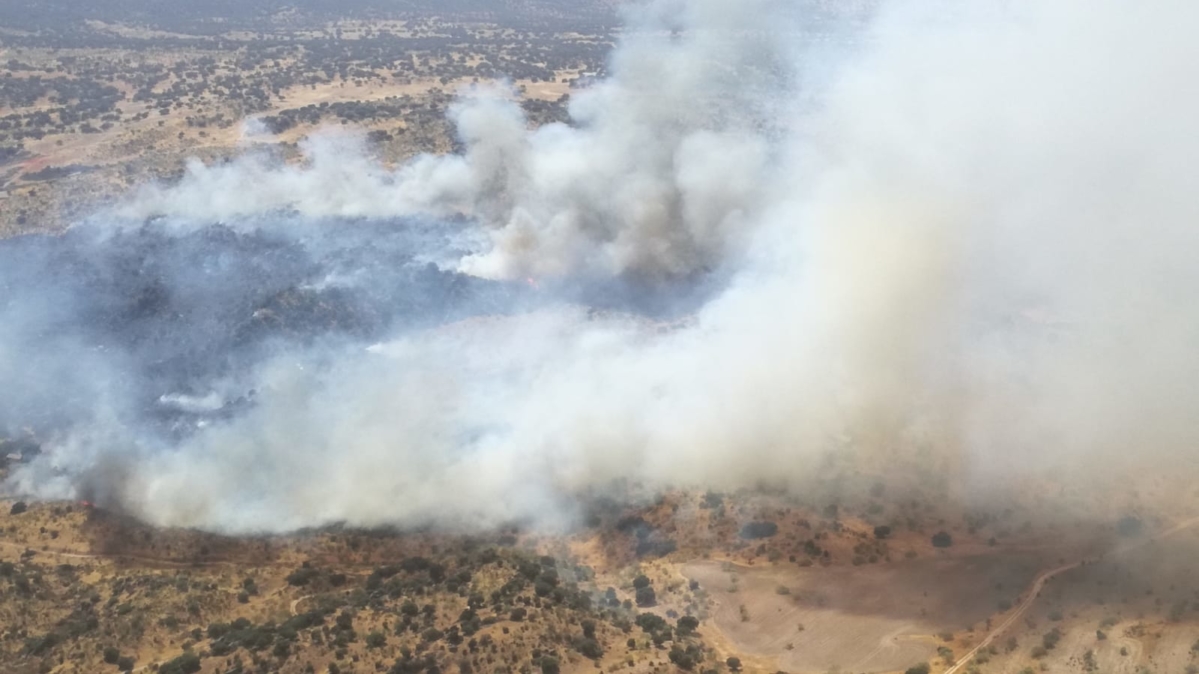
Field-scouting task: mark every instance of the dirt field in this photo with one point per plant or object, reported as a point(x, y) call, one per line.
point(1145, 604)
point(862, 619)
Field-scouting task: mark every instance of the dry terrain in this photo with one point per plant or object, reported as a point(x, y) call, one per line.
point(870, 618)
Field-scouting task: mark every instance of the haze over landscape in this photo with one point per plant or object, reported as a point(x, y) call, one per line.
point(871, 316)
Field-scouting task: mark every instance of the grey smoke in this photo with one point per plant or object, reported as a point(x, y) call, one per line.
point(952, 244)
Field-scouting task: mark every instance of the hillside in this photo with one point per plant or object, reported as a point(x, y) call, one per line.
point(789, 589)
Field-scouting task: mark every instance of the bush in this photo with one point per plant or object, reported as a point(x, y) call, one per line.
point(755, 530)
point(942, 539)
point(301, 577)
point(588, 647)
point(685, 658)
point(549, 665)
point(687, 624)
point(921, 668)
point(646, 597)
point(881, 532)
point(125, 663)
point(735, 664)
point(517, 614)
point(188, 663)
point(650, 622)
point(375, 640)
point(1129, 526)
point(640, 582)
point(111, 655)
point(18, 508)
point(1049, 639)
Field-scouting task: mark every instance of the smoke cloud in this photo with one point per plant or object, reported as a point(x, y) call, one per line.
point(779, 245)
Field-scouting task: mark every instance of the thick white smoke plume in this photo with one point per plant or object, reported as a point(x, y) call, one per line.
point(948, 230)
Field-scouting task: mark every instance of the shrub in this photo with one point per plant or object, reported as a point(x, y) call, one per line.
point(942, 539)
point(685, 658)
point(375, 640)
point(921, 668)
point(646, 597)
point(881, 532)
point(1050, 638)
point(301, 577)
point(1129, 526)
point(755, 530)
point(650, 622)
point(687, 624)
point(588, 647)
point(640, 582)
point(18, 508)
point(549, 665)
point(111, 655)
point(188, 663)
point(735, 664)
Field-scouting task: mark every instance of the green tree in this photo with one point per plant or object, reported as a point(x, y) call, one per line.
point(646, 597)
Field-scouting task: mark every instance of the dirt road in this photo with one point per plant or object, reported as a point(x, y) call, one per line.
point(1035, 590)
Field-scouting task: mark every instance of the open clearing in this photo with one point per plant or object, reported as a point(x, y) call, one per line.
point(862, 619)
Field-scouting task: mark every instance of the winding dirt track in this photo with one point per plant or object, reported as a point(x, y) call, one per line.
point(1034, 591)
